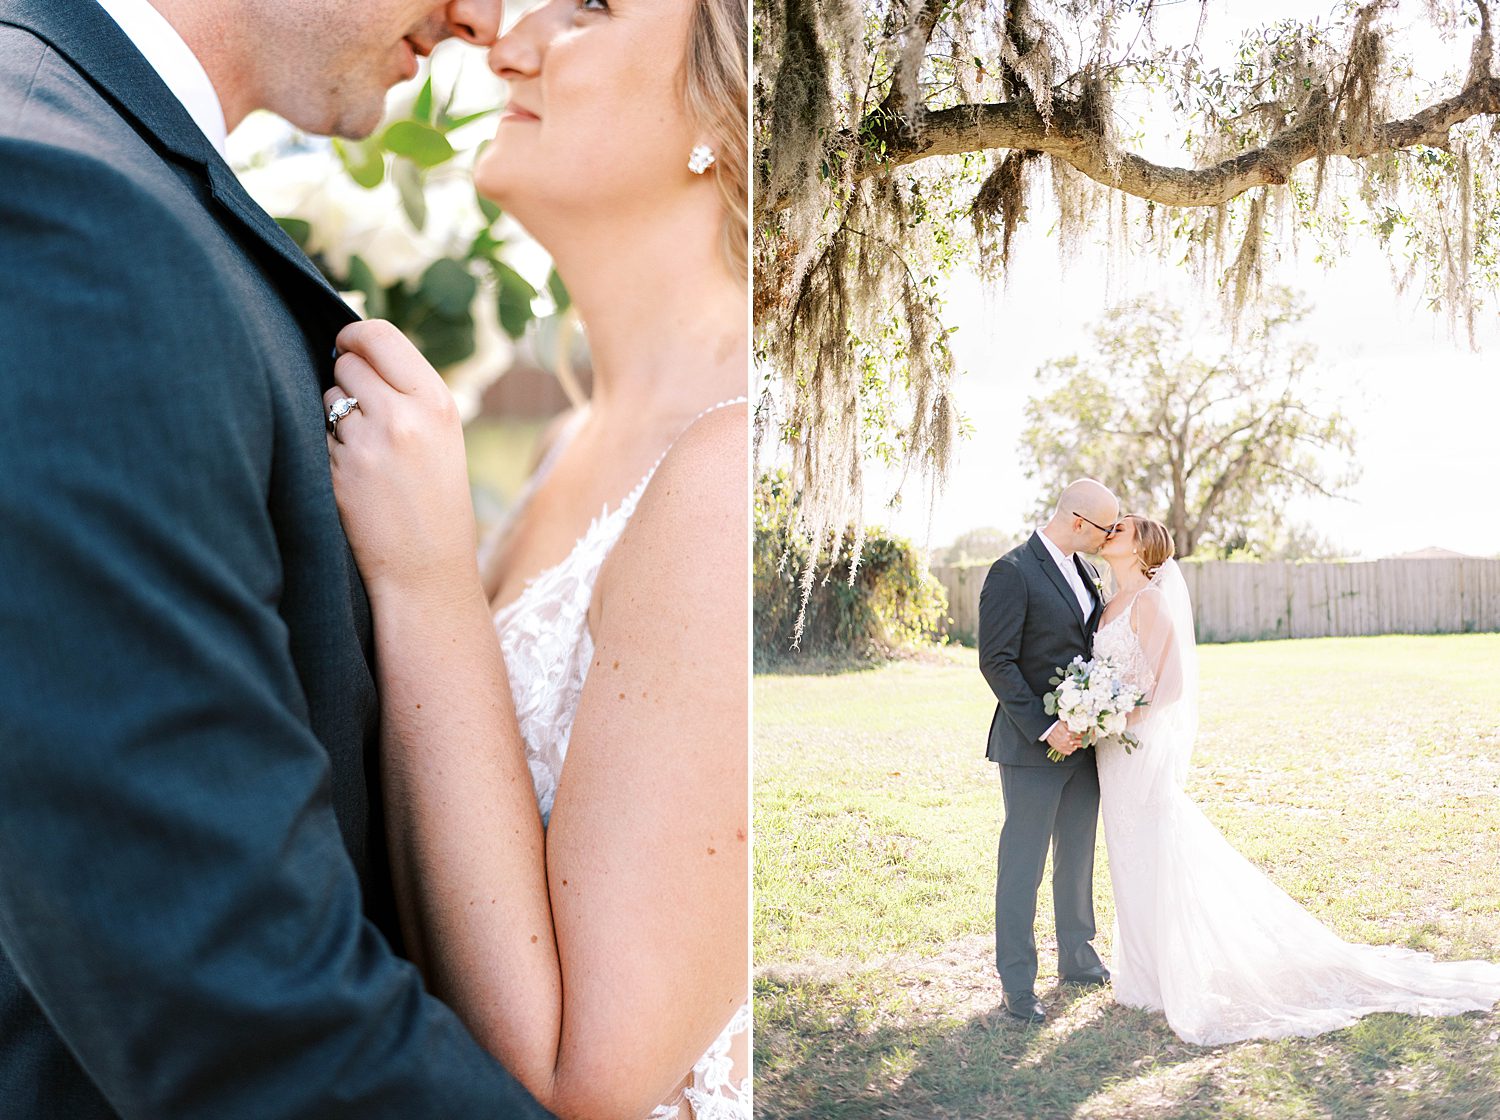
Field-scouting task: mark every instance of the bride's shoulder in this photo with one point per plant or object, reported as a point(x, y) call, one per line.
point(673, 586)
point(1149, 609)
point(696, 507)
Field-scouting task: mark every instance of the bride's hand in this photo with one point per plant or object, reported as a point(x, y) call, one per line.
point(399, 472)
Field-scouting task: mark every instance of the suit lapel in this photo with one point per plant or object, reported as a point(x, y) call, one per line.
point(1091, 581)
point(230, 194)
point(1059, 581)
point(83, 33)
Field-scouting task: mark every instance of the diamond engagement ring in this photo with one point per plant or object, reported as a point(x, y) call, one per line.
point(338, 410)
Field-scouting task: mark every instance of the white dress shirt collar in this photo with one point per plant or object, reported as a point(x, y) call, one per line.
point(175, 62)
point(1069, 569)
point(1063, 562)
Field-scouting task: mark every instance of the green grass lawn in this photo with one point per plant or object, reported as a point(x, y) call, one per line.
point(1362, 774)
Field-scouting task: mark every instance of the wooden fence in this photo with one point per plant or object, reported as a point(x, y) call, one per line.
point(1236, 602)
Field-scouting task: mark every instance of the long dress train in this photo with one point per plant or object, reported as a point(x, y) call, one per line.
point(1201, 933)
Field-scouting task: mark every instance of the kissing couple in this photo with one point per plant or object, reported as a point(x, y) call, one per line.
point(1201, 934)
point(305, 811)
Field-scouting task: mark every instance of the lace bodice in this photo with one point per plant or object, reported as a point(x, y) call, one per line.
point(1116, 640)
point(545, 639)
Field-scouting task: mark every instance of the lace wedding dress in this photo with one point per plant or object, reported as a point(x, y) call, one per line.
point(1200, 932)
point(545, 638)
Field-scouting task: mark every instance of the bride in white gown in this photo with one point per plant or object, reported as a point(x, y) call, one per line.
point(565, 734)
point(1201, 933)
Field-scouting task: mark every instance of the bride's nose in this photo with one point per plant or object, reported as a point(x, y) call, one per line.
point(513, 56)
point(518, 53)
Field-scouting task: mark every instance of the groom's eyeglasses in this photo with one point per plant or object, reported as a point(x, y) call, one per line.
point(1108, 530)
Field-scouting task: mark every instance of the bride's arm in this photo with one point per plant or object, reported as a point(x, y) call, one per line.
point(597, 966)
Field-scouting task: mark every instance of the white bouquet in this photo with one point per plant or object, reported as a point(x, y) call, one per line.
point(1092, 699)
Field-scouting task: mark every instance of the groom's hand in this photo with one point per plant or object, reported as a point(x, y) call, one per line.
point(1063, 741)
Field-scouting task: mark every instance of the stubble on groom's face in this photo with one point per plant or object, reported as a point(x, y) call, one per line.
point(343, 56)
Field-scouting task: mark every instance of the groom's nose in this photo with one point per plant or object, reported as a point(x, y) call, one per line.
point(474, 21)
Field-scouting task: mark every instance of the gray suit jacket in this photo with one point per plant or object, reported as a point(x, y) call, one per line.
point(195, 912)
point(1029, 627)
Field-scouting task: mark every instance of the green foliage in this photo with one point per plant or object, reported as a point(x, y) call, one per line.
point(436, 307)
point(422, 144)
point(892, 603)
point(516, 294)
point(363, 160)
point(894, 139)
point(297, 229)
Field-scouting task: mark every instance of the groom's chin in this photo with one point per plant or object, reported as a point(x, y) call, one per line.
point(349, 113)
point(357, 116)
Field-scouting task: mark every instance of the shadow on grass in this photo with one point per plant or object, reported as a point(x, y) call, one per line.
point(824, 1052)
point(791, 663)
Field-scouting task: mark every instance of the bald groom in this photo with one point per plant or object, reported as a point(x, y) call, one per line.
point(1038, 610)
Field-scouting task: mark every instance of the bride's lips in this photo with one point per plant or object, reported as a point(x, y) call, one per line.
point(518, 114)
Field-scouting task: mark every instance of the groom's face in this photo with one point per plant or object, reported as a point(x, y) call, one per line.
point(331, 62)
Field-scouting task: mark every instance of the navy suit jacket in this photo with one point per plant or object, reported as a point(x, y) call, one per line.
point(196, 919)
point(1029, 627)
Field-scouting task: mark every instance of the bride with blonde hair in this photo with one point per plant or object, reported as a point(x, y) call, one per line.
point(1201, 933)
point(565, 732)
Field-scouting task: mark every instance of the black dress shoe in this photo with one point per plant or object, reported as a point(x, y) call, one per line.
point(1023, 1006)
point(1089, 979)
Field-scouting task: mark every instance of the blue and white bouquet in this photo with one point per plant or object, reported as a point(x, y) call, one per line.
point(1092, 699)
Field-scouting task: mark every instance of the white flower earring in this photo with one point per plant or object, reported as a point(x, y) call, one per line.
point(701, 159)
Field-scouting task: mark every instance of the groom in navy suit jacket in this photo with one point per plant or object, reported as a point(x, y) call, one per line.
point(196, 917)
point(1038, 609)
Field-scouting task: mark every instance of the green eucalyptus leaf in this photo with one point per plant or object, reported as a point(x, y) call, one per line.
point(516, 295)
point(362, 279)
point(444, 342)
point(484, 246)
point(408, 180)
point(364, 161)
point(421, 143)
point(558, 291)
point(447, 109)
point(449, 287)
point(298, 230)
point(488, 209)
point(422, 109)
point(448, 124)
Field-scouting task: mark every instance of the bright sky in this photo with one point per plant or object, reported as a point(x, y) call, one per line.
point(1424, 405)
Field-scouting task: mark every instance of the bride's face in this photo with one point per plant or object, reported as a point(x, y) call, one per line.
point(595, 120)
point(1122, 542)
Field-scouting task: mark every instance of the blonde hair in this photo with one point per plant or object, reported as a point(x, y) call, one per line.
point(716, 91)
point(1153, 544)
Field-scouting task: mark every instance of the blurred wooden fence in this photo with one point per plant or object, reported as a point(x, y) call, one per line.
point(1237, 602)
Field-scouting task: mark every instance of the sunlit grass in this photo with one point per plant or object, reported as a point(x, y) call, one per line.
point(1362, 774)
